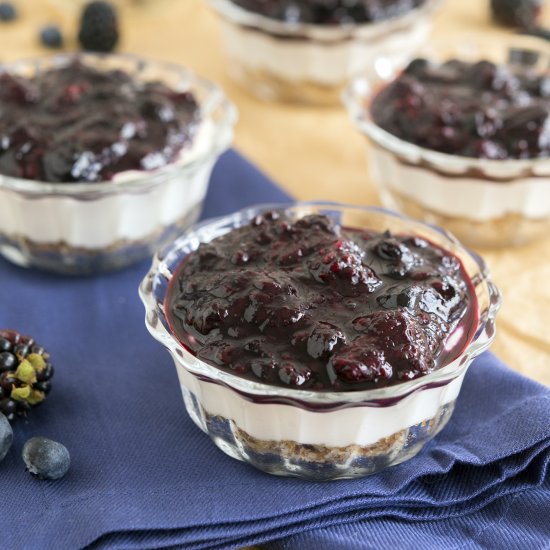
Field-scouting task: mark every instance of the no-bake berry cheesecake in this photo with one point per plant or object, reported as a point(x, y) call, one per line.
point(306, 51)
point(103, 158)
point(464, 141)
point(321, 341)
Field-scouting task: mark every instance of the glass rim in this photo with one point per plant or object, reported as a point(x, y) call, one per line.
point(484, 334)
point(239, 15)
point(215, 101)
point(359, 93)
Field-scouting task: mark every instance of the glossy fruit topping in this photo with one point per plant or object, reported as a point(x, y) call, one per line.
point(477, 110)
point(329, 12)
point(81, 124)
point(306, 304)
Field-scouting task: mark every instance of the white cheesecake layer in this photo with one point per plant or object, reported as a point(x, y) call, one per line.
point(360, 425)
point(458, 197)
point(101, 221)
point(314, 61)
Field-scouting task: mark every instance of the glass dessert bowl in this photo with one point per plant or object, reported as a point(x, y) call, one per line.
point(470, 151)
point(305, 52)
point(327, 363)
point(104, 158)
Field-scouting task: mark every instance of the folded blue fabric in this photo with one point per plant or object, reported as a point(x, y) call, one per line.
point(143, 476)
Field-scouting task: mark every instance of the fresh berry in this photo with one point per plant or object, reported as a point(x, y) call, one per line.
point(25, 374)
point(45, 458)
point(98, 27)
point(51, 36)
point(6, 436)
point(7, 12)
point(516, 13)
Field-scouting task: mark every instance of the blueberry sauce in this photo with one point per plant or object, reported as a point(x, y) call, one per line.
point(80, 124)
point(310, 305)
point(329, 12)
point(479, 110)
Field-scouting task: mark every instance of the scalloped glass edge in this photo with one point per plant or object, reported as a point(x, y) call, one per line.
point(358, 95)
point(214, 105)
point(154, 285)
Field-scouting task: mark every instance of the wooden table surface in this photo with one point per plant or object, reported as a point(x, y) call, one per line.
point(312, 153)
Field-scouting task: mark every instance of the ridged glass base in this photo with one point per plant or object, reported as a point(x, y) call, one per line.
point(69, 260)
point(315, 462)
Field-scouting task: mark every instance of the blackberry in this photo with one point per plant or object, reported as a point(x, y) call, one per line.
point(6, 436)
point(45, 458)
point(7, 12)
point(516, 13)
point(51, 36)
point(539, 32)
point(98, 27)
point(25, 374)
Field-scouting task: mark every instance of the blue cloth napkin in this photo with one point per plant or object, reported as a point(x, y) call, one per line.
point(143, 476)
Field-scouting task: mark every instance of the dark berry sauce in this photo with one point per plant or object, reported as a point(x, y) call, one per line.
point(309, 305)
point(479, 110)
point(80, 124)
point(329, 12)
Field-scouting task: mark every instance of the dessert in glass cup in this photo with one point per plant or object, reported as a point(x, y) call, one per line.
point(320, 340)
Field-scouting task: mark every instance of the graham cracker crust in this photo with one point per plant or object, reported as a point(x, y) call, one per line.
point(321, 453)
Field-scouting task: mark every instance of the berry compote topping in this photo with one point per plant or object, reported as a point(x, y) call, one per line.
point(479, 110)
point(80, 124)
point(329, 12)
point(309, 305)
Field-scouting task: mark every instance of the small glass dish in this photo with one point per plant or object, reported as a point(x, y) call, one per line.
point(86, 228)
point(309, 434)
point(311, 63)
point(485, 203)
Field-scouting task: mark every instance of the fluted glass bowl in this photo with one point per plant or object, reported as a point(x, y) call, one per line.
point(309, 434)
point(486, 203)
point(310, 63)
point(86, 228)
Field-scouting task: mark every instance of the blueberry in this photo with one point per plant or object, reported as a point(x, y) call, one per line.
point(51, 36)
point(46, 459)
point(6, 436)
point(7, 12)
